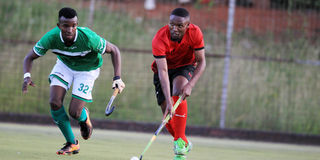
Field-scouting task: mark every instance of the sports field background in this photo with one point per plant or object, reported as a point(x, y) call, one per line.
point(30, 142)
point(274, 79)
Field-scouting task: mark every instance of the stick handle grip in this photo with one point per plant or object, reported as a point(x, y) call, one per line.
point(115, 92)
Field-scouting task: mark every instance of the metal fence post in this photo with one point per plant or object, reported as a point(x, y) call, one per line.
point(224, 95)
point(91, 12)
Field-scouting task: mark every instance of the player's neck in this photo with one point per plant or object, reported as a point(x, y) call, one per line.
point(176, 40)
point(68, 43)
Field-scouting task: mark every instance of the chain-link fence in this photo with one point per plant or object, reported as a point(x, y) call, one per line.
point(272, 72)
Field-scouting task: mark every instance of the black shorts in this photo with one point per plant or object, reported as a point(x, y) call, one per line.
point(185, 71)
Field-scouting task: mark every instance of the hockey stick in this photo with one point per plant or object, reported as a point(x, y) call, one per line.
point(110, 109)
point(161, 126)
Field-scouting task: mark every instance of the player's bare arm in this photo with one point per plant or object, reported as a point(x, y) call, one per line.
point(114, 51)
point(201, 65)
point(165, 84)
point(115, 56)
point(27, 66)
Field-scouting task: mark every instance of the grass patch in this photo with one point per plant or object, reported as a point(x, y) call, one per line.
point(32, 142)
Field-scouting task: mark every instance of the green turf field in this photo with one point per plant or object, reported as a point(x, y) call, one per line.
point(31, 142)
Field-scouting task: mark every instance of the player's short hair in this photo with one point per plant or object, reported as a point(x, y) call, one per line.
point(67, 13)
point(181, 12)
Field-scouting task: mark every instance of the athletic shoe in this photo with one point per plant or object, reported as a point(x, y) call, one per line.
point(69, 148)
point(179, 157)
point(180, 147)
point(86, 126)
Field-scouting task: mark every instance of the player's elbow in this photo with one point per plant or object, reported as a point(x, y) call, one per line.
point(114, 50)
point(30, 56)
point(202, 63)
point(27, 59)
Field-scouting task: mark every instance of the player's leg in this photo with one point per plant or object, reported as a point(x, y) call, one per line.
point(181, 143)
point(181, 113)
point(61, 118)
point(181, 78)
point(60, 80)
point(81, 94)
point(79, 112)
point(162, 102)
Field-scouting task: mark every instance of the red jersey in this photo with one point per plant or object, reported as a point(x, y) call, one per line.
point(177, 54)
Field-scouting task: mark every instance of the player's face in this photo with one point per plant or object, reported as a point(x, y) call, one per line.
point(178, 26)
point(68, 27)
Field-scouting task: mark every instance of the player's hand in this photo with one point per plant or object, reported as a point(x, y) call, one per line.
point(26, 82)
point(186, 90)
point(168, 110)
point(118, 84)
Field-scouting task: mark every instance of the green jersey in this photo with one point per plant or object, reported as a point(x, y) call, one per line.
point(83, 55)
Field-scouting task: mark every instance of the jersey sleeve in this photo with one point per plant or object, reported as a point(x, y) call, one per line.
point(43, 45)
point(97, 43)
point(198, 42)
point(158, 47)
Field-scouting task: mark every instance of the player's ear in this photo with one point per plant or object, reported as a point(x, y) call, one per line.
point(188, 24)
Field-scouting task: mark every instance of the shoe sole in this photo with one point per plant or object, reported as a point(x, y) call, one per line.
point(69, 153)
point(180, 157)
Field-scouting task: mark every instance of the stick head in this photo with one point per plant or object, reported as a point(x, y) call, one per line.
point(109, 110)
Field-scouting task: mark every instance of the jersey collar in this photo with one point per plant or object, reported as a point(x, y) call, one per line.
point(75, 38)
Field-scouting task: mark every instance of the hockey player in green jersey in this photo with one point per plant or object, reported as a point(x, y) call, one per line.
point(79, 52)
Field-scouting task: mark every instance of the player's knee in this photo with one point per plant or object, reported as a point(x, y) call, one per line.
point(75, 112)
point(176, 92)
point(163, 106)
point(55, 104)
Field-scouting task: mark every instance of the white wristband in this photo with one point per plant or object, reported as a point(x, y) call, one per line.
point(26, 75)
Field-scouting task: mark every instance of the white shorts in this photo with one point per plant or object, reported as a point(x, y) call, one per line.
point(83, 81)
